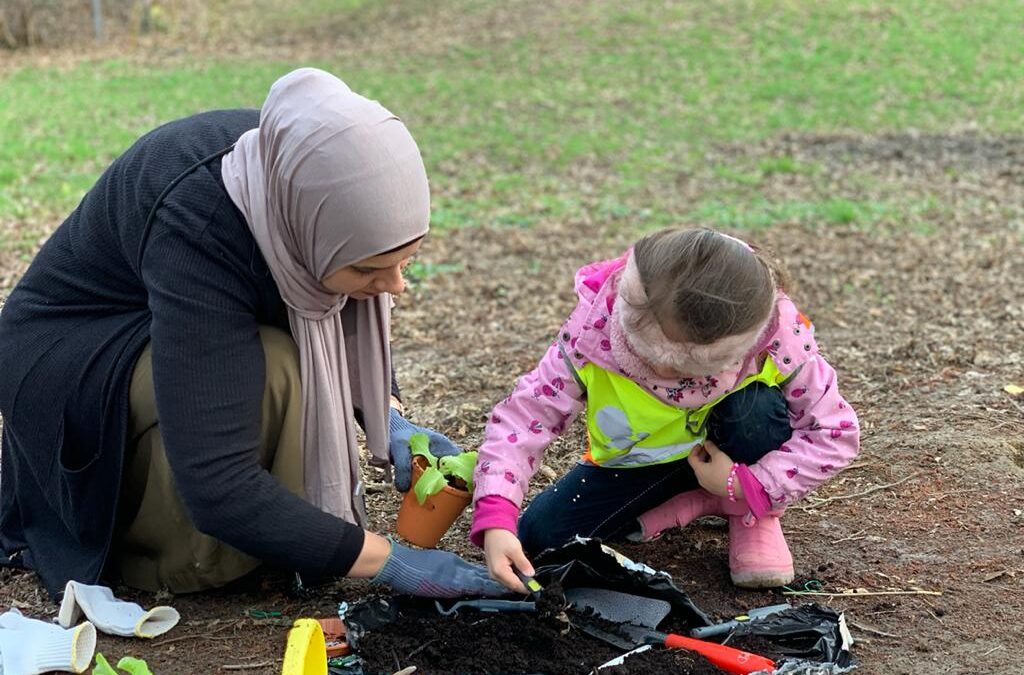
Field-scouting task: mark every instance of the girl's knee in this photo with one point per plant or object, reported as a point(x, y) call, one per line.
point(750, 423)
point(538, 529)
point(532, 535)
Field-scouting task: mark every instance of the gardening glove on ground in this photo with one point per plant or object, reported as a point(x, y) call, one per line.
point(30, 647)
point(401, 453)
point(113, 616)
point(435, 574)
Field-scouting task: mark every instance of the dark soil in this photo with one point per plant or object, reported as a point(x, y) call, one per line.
point(551, 641)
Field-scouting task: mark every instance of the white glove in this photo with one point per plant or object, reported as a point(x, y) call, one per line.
point(30, 647)
point(113, 616)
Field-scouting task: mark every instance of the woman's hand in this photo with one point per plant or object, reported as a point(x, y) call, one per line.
point(504, 555)
point(433, 574)
point(713, 467)
point(401, 454)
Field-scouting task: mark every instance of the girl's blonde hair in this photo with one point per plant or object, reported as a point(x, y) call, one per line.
point(711, 285)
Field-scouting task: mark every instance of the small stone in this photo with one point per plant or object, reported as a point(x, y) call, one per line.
point(985, 359)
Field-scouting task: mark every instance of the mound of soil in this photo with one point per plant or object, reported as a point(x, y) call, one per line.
point(552, 640)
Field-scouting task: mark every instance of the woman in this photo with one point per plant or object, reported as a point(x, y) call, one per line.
point(181, 364)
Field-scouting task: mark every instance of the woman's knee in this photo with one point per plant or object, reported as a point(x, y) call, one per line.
point(750, 423)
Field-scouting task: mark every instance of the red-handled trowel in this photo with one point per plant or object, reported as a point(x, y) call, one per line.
point(635, 620)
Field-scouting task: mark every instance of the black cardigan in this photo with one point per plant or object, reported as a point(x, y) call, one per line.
point(72, 329)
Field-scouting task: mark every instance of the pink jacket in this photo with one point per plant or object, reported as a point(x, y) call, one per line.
point(547, 399)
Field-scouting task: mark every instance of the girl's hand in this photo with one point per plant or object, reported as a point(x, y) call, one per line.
point(712, 467)
point(504, 555)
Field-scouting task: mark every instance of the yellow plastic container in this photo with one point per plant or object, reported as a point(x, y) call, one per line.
point(306, 653)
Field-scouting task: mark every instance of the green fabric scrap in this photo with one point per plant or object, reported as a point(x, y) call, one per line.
point(134, 666)
point(102, 667)
point(129, 664)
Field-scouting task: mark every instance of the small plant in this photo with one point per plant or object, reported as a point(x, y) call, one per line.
point(454, 470)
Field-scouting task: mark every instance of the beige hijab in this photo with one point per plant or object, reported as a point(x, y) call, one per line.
point(328, 179)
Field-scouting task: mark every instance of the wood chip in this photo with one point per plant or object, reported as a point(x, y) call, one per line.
point(547, 472)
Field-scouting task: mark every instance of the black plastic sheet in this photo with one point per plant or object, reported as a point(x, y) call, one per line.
point(808, 632)
point(587, 563)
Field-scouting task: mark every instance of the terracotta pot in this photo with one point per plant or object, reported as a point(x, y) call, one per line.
point(335, 637)
point(424, 524)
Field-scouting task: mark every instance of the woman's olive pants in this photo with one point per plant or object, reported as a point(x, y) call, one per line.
point(155, 544)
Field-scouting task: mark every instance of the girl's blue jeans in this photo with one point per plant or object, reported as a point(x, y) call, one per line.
point(591, 501)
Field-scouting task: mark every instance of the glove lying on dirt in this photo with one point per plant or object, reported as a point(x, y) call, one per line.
point(113, 616)
point(435, 574)
point(30, 646)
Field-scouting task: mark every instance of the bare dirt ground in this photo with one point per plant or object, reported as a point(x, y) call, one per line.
point(925, 326)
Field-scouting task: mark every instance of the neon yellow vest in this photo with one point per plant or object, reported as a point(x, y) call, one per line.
point(630, 427)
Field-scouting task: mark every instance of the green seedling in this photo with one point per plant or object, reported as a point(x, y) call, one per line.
point(454, 470)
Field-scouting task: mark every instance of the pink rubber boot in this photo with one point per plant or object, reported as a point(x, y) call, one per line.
point(758, 554)
point(683, 509)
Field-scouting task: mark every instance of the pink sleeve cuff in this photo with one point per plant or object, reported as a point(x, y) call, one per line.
point(492, 512)
point(753, 492)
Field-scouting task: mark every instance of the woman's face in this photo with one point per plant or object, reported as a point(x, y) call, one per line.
point(371, 277)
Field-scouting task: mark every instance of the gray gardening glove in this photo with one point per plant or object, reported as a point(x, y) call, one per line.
point(435, 574)
point(401, 455)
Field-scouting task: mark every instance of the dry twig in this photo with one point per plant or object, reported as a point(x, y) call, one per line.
point(194, 636)
point(870, 629)
point(856, 594)
point(420, 648)
point(852, 537)
point(247, 666)
point(818, 503)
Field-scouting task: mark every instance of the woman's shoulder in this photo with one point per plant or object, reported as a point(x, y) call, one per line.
point(203, 133)
point(181, 162)
point(166, 155)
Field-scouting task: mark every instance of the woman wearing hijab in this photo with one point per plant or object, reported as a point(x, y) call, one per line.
point(181, 365)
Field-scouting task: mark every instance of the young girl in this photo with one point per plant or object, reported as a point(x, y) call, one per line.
point(704, 392)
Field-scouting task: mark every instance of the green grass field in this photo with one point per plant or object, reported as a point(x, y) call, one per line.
point(581, 109)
